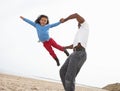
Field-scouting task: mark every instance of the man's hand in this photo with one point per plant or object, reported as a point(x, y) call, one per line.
point(62, 20)
point(79, 24)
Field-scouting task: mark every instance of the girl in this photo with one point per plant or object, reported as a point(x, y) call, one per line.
point(42, 26)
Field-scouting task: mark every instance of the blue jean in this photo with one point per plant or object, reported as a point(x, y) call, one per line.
point(71, 68)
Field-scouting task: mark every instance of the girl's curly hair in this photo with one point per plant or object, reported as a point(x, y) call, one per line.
point(41, 16)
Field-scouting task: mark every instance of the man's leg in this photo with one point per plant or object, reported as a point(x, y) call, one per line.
point(75, 63)
point(83, 59)
point(63, 71)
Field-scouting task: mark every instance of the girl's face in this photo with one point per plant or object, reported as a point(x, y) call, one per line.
point(43, 21)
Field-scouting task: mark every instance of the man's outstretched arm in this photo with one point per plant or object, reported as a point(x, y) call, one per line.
point(75, 16)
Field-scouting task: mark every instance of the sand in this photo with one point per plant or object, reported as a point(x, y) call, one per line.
point(17, 83)
point(113, 87)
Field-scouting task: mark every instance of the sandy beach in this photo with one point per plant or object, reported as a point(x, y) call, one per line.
point(17, 83)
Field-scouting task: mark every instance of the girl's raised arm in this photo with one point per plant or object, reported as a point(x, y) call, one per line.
point(54, 24)
point(28, 21)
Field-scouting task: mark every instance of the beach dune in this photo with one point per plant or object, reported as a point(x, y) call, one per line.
point(17, 83)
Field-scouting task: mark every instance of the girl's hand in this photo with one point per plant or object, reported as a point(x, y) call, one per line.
point(21, 17)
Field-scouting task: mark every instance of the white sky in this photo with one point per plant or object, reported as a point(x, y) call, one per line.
point(20, 53)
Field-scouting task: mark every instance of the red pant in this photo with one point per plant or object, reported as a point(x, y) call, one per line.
point(48, 45)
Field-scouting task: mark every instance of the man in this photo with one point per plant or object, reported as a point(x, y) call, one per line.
point(74, 62)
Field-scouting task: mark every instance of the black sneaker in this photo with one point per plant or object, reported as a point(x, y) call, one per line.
point(57, 61)
point(66, 52)
point(58, 64)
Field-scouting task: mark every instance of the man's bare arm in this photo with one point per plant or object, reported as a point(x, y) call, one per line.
point(69, 47)
point(75, 16)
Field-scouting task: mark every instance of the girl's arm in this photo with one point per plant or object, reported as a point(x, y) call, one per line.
point(28, 21)
point(54, 24)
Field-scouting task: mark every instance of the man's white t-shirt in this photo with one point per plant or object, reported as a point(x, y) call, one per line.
point(82, 35)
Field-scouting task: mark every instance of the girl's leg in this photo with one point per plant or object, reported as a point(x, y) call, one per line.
point(57, 46)
point(48, 47)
